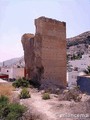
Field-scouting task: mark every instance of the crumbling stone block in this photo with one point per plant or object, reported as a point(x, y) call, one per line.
point(45, 53)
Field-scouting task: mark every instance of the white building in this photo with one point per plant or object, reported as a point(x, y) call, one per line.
point(81, 64)
point(77, 69)
point(13, 72)
point(5, 70)
point(72, 77)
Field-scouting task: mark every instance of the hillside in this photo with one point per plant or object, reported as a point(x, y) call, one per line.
point(79, 45)
point(14, 62)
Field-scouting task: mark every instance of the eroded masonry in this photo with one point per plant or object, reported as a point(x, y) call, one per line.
point(45, 52)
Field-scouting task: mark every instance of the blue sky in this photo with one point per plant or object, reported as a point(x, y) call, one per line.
point(17, 17)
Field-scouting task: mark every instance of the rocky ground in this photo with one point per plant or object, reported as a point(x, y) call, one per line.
point(54, 108)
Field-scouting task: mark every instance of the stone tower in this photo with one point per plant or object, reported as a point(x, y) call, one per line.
point(45, 53)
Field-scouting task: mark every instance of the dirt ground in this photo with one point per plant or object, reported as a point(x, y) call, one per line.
point(54, 109)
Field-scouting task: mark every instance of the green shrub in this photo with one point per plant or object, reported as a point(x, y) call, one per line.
point(12, 116)
point(16, 84)
point(71, 94)
point(15, 111)
point(17, 108)
point(3, 101)
point(24, 94)
point(10, 111)
point(21, 82)
point(46, 96)
point(4, 111)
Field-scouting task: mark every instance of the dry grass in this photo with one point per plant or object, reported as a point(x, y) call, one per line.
point(6, 89)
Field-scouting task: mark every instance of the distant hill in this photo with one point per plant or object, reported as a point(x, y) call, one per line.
point(79, 45)
point(14, 62)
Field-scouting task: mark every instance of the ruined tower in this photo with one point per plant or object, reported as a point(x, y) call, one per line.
point(45, 52)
